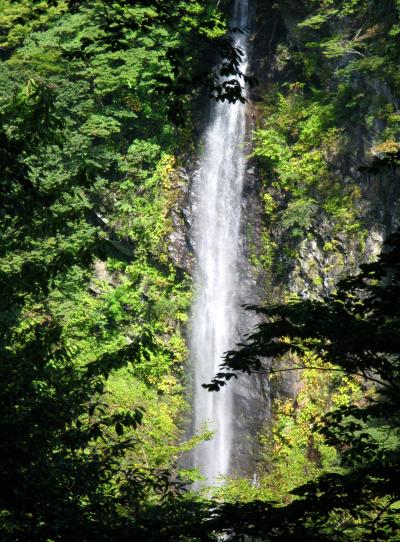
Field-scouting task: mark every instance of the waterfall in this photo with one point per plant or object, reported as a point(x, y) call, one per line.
point(217, 199)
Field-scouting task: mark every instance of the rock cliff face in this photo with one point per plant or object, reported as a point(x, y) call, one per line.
point(179, 245)
point(325, 252)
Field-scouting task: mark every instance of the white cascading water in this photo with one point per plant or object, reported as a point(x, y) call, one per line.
point(217, 198)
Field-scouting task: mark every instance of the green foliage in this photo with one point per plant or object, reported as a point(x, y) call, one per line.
point(18, 19)
point(294, 145)
point(296, 148)
point(362, 34)
point(297, 216)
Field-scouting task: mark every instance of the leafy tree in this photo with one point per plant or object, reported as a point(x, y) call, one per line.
point(186, 37)
point(60, 451)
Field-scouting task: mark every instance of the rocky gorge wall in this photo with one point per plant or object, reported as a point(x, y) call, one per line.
point(321, 191)
point(328, 246)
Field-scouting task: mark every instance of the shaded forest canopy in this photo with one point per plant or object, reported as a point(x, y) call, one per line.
point(97, 106)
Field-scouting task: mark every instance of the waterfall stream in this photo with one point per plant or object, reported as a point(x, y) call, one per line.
point(217, 199)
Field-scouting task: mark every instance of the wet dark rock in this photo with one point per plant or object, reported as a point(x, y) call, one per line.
point(180, 250)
